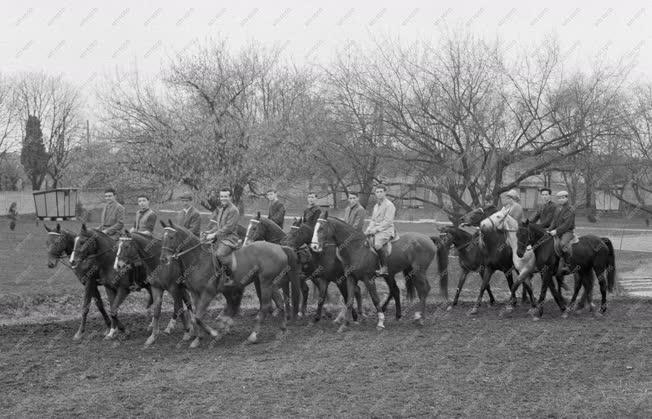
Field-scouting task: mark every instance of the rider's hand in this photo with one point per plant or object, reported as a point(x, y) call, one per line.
point(553, 232)
point(210, 236)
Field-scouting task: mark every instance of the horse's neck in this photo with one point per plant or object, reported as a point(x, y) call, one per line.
point(274, 234)
point(149, 258)
point(346, 239)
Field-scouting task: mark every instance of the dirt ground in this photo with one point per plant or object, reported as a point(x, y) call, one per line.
point(455, 365)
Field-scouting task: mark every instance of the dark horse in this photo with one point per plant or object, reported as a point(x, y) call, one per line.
point(98, 250)
point(59, 246)
point(322, 267)
point(268, 263)
point(144, 250)
point(590, 254)
point(265, 229)
point(472, 257)
point(412, 254)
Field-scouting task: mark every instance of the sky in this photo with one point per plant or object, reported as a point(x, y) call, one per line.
point(84, 40)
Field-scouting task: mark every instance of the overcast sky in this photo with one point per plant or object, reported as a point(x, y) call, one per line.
point(84, 39)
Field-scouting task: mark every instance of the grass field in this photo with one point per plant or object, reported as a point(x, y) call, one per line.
point(456, 365)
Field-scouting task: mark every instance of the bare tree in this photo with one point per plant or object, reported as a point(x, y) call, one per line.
point(58, 105)
point(8, 115)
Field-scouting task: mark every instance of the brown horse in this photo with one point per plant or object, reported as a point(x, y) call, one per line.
point(59, 247)
point(265, 229)
point(268, 263)
point(96, 249)
point(144, 250)
point(322, 268)
point(412, 254)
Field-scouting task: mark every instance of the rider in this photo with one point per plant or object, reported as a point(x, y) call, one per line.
point(276, 208)
point(546, 211)
point(226, 221)
point(313, 212)
point(381, 226)
point(113, 215)
point(563, 225)
point(354, 214)
point(189, 217)
point(145, 217)
point(512, 205)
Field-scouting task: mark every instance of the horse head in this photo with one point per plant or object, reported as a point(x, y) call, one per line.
point(321, 233)
point(59, 244)
point(254, 230)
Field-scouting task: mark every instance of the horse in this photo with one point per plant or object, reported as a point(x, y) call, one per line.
point(590, 254)
point(323, 267)
point(59, 247)
point(412, 254)
point(265, 229)
point(473, 257)
point(95, 247)
point(525, 265)
point(137, 249)
point(266, 262)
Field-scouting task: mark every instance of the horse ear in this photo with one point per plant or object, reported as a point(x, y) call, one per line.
point(58, 228)
point(162, 223)
point(171, 223)
point(47, 228)
point(84, 227)
point(258, 215)
point(326, 216)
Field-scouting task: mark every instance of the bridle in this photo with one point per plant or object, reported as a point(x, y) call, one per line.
point(62, 255)
point(141, 259)
point(94, 255)
point(176, 253)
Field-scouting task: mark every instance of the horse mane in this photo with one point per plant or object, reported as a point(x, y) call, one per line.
point(271, 224)
point(348, 227)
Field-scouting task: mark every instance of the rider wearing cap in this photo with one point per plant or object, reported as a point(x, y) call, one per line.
point(563, 223)
point(546, 211)
point(512, 205)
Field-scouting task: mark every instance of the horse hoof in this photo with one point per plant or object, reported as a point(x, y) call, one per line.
point(301, 315)
point(473, 311)
point(418, 322)
point(564, 315)
point(341, 329)
point(167, 331)
point(449, 308)
point(380, 327)
point(536, 318)
point(253, 338)
point(186, 337)
point(509, 308)
point(603, 309)
point(77, 336)
point(532, 311)
point(195, 343)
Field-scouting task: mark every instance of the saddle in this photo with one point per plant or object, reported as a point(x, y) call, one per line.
point(558, 247)
point(387, 247)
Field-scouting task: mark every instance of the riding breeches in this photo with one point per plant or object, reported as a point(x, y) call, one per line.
point(381, 239)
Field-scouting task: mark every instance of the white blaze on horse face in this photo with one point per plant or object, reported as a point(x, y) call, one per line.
point(117, 255)
point(251, 222)
point(314, 244)
point(74, 248)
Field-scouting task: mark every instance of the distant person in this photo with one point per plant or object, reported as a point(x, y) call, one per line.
point(113, 215)
point(145, 217)
point(13, 215)
point(276, 208)
point(354, 214)
point(313, 212)
point(189, 217)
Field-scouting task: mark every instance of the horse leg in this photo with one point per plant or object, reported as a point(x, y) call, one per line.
point(603, 292)
point(576, 289)
point(394, 293)
point(370, 284)
point(88, 293)
point(100, 304)
point(305, 290)
point(423, 289)
point(322, 287)
point(458, 291)
point(486, 277)
point(350, 289)
point(588, 281)
point(266, 293)
point(157, 295)
point(120, 296)
point(201, 306)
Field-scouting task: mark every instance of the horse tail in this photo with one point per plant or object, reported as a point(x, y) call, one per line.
point(611, 264)
point(293, 274)
point(442, 264)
